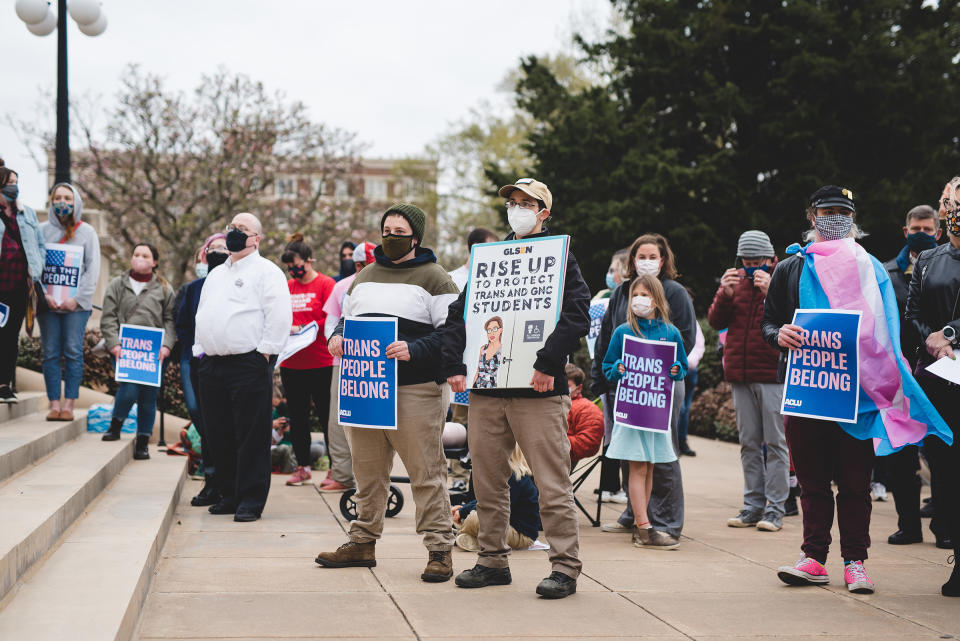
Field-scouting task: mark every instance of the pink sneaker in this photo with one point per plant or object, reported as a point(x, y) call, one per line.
point(856, 578)
point(807, 571)
point(300, 476)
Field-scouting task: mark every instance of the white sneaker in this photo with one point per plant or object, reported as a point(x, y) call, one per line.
point(879, 491)
point(618, 497)
point(616, 528)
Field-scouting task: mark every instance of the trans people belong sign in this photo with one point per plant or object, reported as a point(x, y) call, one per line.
point(823, 375)
point(139, 360)
point(367, 394)
point(645, 393)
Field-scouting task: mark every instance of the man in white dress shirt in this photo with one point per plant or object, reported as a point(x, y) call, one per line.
point(243, 321)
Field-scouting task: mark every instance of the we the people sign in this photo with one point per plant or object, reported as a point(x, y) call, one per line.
point(514, 291)
point(823, 375)
point(645, 393)
point(367, 395)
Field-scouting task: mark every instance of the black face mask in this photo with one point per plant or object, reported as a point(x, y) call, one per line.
point(396, 247)
point(236, 240)
point(297, 271)
point(215, 259)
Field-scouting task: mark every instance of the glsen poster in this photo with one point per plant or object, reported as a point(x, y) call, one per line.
point(823, 376)
point(513, 302)
point(597, 310)
point(139, 360)
point(61, 271)
point(368, 379)
point(645, 393)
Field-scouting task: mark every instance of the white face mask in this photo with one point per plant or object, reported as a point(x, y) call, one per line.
point(522, 221)
point(651, 266)
point(641, 305)
point(201, 270)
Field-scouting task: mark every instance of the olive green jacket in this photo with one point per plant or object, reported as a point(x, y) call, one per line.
point(155, 309)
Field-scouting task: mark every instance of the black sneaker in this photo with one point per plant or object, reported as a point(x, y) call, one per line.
point(7, 395)
point(557, 586)
point(746, 518)
point(901, 537)
point(685, 450)
point(790, 507)
point(926, 510)
point(480, 576)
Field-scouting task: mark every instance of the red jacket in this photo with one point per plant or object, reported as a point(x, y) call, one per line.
point(746, 356)
point(584, 429)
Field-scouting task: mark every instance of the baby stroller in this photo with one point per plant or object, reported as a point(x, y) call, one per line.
point(348, 506)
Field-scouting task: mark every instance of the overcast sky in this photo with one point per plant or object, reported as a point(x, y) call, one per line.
point(395, 72)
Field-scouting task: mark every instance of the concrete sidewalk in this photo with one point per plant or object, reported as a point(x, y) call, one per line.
point(220, 579)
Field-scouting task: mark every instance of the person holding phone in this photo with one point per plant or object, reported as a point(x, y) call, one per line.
point(750, 366)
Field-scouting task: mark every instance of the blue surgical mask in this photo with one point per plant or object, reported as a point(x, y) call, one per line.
point(610, 282)
point(10, 192)
point(920, 241)
point(752, 270)
point(201, 270)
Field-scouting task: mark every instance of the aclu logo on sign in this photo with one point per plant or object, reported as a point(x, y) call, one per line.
point(793, 402)
point(533, 331)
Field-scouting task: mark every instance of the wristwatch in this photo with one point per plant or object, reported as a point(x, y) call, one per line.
point(950, 334)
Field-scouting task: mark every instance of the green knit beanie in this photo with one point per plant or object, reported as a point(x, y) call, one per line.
point(412, 213)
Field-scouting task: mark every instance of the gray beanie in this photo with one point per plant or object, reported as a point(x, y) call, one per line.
point(755, 244)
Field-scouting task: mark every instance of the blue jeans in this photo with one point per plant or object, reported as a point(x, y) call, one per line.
point(189, 394)
point(61, 334)
point(691, 385)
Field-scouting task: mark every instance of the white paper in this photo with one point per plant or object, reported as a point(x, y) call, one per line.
point(295, 342)
point(947, 368)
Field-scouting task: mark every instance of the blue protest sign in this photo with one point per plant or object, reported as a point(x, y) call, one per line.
point(823, 375)
point(4, 314)
point(139, 360)
point(367, 396)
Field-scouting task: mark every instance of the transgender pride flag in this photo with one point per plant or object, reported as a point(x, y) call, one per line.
point(893, 410)
point(61, 272)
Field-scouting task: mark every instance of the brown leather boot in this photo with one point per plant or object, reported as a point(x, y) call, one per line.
point(439, 567)
point(350, 555)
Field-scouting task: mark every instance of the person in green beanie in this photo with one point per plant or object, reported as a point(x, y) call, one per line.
point(405, 282)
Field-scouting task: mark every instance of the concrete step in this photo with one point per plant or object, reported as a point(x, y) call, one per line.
point(93, 586)
point(29, 403)
point(39, 504)
point(27, 439)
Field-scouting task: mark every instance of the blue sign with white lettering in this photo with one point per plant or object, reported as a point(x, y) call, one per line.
point(823, 375)
point(367, 395)
point(139, 360)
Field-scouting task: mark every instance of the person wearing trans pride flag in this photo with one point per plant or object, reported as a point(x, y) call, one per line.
point(834, 272)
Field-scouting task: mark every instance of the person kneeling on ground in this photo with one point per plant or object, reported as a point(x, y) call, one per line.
point(524, 510)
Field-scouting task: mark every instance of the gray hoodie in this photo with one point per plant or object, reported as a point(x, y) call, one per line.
point(84, 235)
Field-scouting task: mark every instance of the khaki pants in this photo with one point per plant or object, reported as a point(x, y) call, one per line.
point(516, 541)
point(341, 465)
point(539, 425)
point(417, 441)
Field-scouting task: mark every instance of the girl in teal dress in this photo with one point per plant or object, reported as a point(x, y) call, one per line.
point(646, 318)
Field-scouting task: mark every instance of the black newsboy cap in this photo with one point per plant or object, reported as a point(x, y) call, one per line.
point(832, 196)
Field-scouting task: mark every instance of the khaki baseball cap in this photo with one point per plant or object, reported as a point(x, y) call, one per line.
point(531, 187)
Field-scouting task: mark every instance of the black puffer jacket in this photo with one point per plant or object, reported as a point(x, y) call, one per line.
point(783, 298)
point(934, 289)
point(682, 316)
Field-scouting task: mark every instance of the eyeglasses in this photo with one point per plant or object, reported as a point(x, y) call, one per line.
point(240, 228)
point(493, 330)
point(524, 204)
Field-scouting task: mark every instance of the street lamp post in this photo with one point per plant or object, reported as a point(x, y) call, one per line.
point(40, 21)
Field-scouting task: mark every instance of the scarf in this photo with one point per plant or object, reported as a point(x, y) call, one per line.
point(893, 411)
